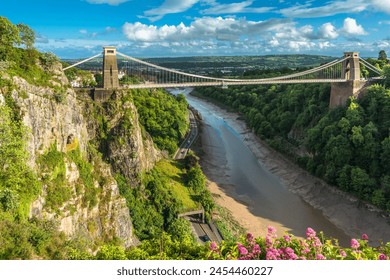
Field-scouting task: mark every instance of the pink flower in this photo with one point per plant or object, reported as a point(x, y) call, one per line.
point(354, 244)
point(287, 238)
point(271, 230)
point(268, 241)
point(310, 233)
point(382, 257)
point(249, 237)
point(343, 254)
point(305, 251)
point(242, 249)
point(317, 242)
point(256, 249)
point(290, 254)
point(320, 257)
point(364, 236)
point(213, 246)
point(272, 254)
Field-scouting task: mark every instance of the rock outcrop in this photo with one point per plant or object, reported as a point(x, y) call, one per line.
point(56, 116)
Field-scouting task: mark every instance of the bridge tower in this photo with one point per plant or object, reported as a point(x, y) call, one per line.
point(110, 68)
point(354, 85)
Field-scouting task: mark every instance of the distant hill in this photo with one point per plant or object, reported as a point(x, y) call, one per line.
point(216, 63)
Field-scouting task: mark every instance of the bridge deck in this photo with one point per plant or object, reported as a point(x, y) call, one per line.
point(249, 82)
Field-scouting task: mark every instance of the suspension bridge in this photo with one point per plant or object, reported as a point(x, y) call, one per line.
point(343, 73)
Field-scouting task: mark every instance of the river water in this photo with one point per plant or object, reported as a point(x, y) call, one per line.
point(239, 173)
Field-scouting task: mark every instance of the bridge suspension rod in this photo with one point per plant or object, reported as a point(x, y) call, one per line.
point(370, 66)
point(310, 71)
point(81, 62)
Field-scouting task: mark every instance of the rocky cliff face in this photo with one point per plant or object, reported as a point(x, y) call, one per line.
point(116, 128)
point(56, 117)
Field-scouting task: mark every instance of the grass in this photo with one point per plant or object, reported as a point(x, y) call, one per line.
point(175, 174)
point(229, 228)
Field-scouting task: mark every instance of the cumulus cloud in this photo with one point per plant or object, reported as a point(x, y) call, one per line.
point(214, 35)
point(205, 28)
point(331, 8)
point(381, 5)
point(328, 31)
point(351, 28)
point(169, 7)
point(234, 8)
point(218, 36)
point(109, 2)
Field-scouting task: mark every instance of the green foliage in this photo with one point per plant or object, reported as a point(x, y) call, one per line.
point(9, 36)
point(18, 183)
point(386, 74)
point(83, 77)
point(111, 252)
point(60, 95)
point(382, 55)
point(129, 80)
point(24, 63)
point(87, 178)
point(196, 179)
point(154, 208)
point(52, 165)
point(36, 239)
point(165, 247)
point(163, 116)
point(197, 182)
point(27, 35)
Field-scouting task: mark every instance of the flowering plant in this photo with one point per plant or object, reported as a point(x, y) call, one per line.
point(313, 247)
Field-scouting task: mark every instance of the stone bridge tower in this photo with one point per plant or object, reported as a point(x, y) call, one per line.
point(354, 86)
point(110, 68)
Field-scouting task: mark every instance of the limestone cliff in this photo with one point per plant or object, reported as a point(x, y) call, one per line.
point(116, 129)
point(56, 117)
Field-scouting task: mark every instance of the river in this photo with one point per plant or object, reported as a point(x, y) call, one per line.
point(232, 165)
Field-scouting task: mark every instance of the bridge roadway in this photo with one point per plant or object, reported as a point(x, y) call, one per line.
point(233, 83)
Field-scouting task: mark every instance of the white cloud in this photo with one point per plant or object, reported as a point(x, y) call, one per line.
point(109, 2)
point(326, 45)
point(205, 28)
point(331, 8)
point(385, 22)
point(169, 7)
point(234, 8)
point(328, 31)
point(351, 28)
point(83, 31)
point(219, 36)
point(381, 5)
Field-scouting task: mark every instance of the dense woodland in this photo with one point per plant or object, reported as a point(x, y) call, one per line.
point(347, 146)
point(163, 116)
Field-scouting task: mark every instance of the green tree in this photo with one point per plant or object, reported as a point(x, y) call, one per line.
point(27, 35)
point(18, 184)
point(196, 179)
point(382, 55)
point(9, 36)
point(386, 74)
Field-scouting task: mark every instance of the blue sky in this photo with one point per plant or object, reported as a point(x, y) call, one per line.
point(153, 28)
